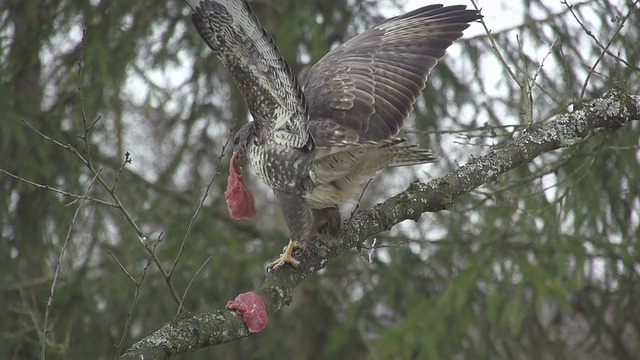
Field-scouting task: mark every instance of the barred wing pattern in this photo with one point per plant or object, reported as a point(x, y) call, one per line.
point(364, 89)
point(272, 93)
point(360, 94)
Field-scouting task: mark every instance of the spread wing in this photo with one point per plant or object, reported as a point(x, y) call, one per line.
point(266, 81)
point(364, 89)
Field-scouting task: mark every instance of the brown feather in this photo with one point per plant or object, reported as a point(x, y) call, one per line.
point(370, 83)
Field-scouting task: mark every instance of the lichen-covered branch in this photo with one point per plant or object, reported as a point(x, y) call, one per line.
point(191, 332)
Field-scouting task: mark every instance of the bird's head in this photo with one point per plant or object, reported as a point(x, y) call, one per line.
point(244, 139)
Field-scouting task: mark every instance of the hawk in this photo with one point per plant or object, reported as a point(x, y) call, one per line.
point(316, 146)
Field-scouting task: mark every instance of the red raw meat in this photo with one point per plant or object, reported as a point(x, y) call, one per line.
point(252, 309)
point(239, 200)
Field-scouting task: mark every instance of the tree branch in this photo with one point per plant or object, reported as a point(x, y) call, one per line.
point(188, 333)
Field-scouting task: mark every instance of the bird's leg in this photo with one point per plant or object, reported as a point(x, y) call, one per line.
point(299, 219)
point(286, 257)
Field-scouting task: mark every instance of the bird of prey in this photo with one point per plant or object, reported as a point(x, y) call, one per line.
point(316, 146)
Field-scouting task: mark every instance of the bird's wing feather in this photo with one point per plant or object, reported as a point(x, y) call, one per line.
point(367, 86)
point(232, 31)
point(342, 160)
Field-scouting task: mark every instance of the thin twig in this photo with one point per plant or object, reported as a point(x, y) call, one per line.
point(127, 160)
point(61, 192)
point(184, 295)
point(187, 235)
point(526, 91)
point(494, 46)
point(85, 136)
point(54, 283)
point(47, 137)
point(136, 296)
point(531, 85)
point(124, 269)
point(590, 34)
point(359, 199)
point(605, 48)
point(88, 162)
point(485, 127)
point(535, 75)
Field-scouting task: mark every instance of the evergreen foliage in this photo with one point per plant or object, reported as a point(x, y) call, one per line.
point(542, 263)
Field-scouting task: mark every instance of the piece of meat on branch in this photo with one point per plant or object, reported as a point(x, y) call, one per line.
point(252, 309)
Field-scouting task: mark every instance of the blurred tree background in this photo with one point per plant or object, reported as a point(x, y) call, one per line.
point(544, 263)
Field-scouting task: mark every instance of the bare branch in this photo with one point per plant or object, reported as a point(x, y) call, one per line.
point(494, 46)
point(200, 205)
point(605, 48)
point(54, 283)
point(61, 192)
point(127, 160)
point(123, 268)
point(88, 162)
point(136, 295)
point(188, 333)
point(184, 295)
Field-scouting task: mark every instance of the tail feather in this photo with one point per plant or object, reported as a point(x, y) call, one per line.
point(413, 155)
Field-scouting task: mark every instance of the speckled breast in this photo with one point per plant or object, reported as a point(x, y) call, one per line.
point(281, 168)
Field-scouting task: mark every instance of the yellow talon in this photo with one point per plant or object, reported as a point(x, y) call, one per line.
point(286, 257)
